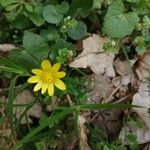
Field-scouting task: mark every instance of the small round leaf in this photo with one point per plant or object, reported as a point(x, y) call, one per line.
point(51, 14)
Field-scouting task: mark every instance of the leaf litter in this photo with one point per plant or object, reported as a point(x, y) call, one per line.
point(110, 74)
point(111, 82)
point(141, 98)
point(94, 56)
point(23, 98)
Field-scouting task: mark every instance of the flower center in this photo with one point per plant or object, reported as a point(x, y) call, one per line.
point(46, 77)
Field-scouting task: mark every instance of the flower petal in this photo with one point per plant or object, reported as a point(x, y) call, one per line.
point(60, 84)
point(51, 90)
point(56, 67)
point(38, 86)
point(34, 79)
point(46, 65)
point(61, 74)
point(37, 71)
point(44, 88)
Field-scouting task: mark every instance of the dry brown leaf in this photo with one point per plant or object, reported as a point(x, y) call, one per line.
point(143, 134)
point(109, 122)
point(122, 67)
point(143, 66)
point(101, 89)
point(142, 98)
point(6, 47)
point(93, 56)
point(26, 97)
point(83, 134)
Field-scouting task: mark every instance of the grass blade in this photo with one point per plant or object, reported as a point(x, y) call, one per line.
point(106, 106)
point(8, 66)
point(47, 122)
point(11, 97)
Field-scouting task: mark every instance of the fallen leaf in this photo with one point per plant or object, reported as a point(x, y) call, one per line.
point(143, 134)
point(122, 67)
point(83, 134)
point(143, 66)
point(95, 57)
point(142, 98)
point(101, 88)
point(6, 47)
point(25, 97)
point(109, 122)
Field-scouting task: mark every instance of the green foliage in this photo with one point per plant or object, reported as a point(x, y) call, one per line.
point(97, 4)
point(140, 48)
point(35, 45)
point(60, 44)
point(67, 24)
point(77, 90)
point(80, 7)
point(132, 140)
point(35, 18)
point(54, 14)
point(113, 46)
point(117, 22)
point(6, 3)
point(62, 55)
point(51, 14)
point(20, 22)
point(24, 60)
point(77, 32)
point(101, 143)
point(40, 145)
point(134, 122)
point(9, 66)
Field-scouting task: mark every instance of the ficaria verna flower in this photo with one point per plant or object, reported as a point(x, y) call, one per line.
point(47, 77)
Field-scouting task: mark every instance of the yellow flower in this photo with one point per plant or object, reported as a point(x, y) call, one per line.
point(48, 77)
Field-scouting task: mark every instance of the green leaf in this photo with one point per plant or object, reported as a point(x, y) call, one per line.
point(11, 15)
point(36, 18)
point(20, 22)
point(35, 45)
point(28, 7)
point(63, 8)
point(97, 4)
point(77, 32)
point(5, 3)
point(23, 59)
point(51, 14)
point(80, 7)
point(51, 31)
point(60, 44)
point(40, 145)
point(117, 23)
point(36, 15)
point(11, 7)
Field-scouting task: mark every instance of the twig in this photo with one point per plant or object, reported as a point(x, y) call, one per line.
point(124, 98)
point(109, 98)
